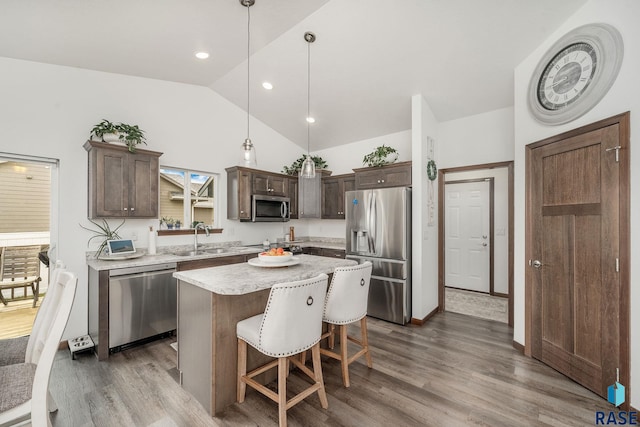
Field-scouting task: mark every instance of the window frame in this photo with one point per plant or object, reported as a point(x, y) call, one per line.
point(187, 202)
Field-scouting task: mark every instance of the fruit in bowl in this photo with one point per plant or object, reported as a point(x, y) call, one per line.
point(275, 256)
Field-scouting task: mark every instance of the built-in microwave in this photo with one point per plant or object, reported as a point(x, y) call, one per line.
point(269, 208)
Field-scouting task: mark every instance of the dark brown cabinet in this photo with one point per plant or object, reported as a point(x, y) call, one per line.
point(243, 182)
point(122, 184)
point(293, 197)
point(394, 175)
point(270, 184)
point(331, 253)
point(333, 195)
point(238, 193)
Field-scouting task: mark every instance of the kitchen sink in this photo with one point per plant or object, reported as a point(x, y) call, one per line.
point(188, 253)
point(214, 251)
point(201, 252)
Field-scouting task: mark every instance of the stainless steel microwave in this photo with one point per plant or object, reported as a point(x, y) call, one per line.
point(269, 208)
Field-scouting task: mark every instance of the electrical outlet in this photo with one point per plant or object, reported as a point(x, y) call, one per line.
point(134, 236)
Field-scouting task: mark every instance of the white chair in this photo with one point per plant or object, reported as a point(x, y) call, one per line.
point(290, 324)
point(20, 349)
point(346, 303)
point(24, 387)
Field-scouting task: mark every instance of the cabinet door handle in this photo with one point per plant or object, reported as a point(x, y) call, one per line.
point(383, 180)
point(133, 209)
point(125, 209)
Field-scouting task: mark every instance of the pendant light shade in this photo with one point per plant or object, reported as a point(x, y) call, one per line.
point(308, 169)
point(248, 149)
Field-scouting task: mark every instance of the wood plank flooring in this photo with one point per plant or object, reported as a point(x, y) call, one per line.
point(455, 370)
point(16, 319)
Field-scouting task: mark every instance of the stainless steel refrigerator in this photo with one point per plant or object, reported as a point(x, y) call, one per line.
point(379, 230)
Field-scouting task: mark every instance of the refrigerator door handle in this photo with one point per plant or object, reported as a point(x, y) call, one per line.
point(373, 223)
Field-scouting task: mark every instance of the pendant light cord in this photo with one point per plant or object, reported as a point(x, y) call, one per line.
point(248, 63)
point(308, 94)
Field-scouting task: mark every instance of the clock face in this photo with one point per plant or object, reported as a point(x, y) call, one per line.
point(575, 73)
point(567, 76)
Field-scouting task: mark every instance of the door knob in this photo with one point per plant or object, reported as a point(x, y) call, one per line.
point(536, 264)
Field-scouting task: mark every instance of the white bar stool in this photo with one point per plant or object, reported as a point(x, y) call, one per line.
point(346, 303)
point(290, 324)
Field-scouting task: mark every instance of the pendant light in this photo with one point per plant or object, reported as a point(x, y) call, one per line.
point(248, 149)
point(308, 169)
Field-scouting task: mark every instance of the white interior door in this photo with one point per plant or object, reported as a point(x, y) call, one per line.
point(467, 235)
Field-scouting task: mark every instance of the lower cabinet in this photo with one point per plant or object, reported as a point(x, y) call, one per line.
point(331, 253)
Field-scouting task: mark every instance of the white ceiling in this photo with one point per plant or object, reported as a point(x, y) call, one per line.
point(369, 58)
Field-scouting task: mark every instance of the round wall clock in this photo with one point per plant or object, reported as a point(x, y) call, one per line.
point(575, 73)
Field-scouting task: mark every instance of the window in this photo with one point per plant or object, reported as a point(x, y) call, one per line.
point(187, 198)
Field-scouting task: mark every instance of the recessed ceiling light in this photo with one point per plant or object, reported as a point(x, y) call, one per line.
point(267, 85)
point(202, 55)
point(311, 120)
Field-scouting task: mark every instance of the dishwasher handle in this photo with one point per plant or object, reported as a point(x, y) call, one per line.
point(144, 274)
point(139, 271)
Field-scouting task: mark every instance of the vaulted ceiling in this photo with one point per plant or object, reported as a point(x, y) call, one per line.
point(369, 58)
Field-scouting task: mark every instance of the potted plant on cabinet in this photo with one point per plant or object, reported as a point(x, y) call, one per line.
point(107, 131)
point(178, 224)
point(381, 156)
point(295, 167)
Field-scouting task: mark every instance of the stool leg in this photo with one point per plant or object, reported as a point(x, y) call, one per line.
point(242, 369)
point(332, 337)
point(282, 391)
point(344, 355)
point(317, 372)
point(365, 341)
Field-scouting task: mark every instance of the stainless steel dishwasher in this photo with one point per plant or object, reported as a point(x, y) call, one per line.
point(142, 304)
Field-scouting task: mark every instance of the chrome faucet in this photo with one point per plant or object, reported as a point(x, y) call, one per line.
point(195, 234)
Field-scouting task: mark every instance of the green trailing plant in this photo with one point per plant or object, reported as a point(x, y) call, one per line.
point(103, 231)
point(378, 157)
point(103, 128)
point(132, 135)
point(295, 167)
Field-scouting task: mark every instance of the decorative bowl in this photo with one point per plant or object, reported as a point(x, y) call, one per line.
point(275, 259)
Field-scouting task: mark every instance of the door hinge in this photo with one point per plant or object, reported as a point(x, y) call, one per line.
point(617, 148)
point(617, 265)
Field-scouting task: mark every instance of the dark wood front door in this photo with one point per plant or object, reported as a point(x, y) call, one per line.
point(578, 244)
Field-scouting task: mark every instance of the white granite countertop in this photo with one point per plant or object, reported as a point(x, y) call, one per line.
point(160, 258)
point(239, 279)
point(170, 256)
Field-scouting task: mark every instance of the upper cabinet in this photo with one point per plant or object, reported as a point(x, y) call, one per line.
point(122, 184)
point(293, 197)
point(243, 182)
point(269, 184)
point(393, 175)
point(238, 193)
point(333, 195)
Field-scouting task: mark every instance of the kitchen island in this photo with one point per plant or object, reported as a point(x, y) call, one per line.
point(211, 301)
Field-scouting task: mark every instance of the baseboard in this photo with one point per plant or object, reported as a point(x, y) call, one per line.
point(420, 322)
point(518, 346)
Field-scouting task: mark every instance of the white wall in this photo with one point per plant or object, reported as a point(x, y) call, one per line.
point(500, 221)
point(483, 138)
point(425, 237)
point(48, 111)
point(623, 96)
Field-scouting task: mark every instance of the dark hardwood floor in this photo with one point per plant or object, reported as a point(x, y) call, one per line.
point(455, 370)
